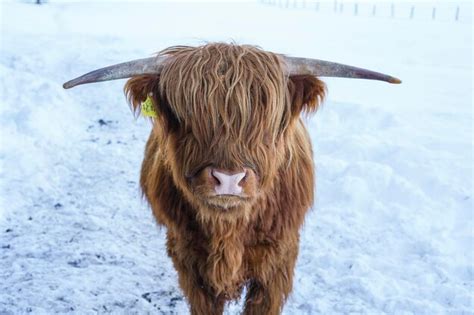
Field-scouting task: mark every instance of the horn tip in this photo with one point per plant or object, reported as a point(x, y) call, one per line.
point(394, 80)
point(68, 85)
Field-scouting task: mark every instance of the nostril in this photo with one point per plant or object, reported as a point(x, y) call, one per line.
point(243, 180)
point(215, 178)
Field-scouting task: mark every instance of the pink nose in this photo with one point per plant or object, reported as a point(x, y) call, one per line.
point(228, 182)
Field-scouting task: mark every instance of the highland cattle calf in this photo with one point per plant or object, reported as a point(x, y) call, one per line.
point(228, 166)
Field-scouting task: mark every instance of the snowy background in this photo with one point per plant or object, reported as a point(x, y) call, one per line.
point(391, 231)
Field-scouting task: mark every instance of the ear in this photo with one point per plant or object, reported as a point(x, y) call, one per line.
point(137, 89)
point(306, 93)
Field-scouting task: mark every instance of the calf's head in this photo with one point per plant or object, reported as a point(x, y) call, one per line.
point(226, 114)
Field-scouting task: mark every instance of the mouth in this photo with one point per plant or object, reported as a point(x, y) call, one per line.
point(226, 202)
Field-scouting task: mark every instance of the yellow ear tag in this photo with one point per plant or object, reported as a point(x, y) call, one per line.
point(148, 110)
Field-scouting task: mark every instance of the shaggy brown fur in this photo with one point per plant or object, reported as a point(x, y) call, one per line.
point(229, 106)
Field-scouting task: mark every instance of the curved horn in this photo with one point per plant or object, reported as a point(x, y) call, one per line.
point(152, 65)
point(321, 68)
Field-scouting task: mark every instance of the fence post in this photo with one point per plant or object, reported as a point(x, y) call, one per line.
point(317, 6)
point(392, 10)
point(356, 8)
point(412, 12)
point(341, 7)
point(457, 14)
point(433, 14)
point(335, 5)
point(374, 10)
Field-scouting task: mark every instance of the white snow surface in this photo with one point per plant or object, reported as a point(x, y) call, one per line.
point(391, 231)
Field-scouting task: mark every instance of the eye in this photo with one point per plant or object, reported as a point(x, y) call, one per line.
point(266, 138)
point(170, 120)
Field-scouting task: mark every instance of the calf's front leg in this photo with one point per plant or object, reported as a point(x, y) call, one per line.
point(201, 298)
point(267, 296)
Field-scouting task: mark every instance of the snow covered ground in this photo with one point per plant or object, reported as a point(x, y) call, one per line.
point(392, 228)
